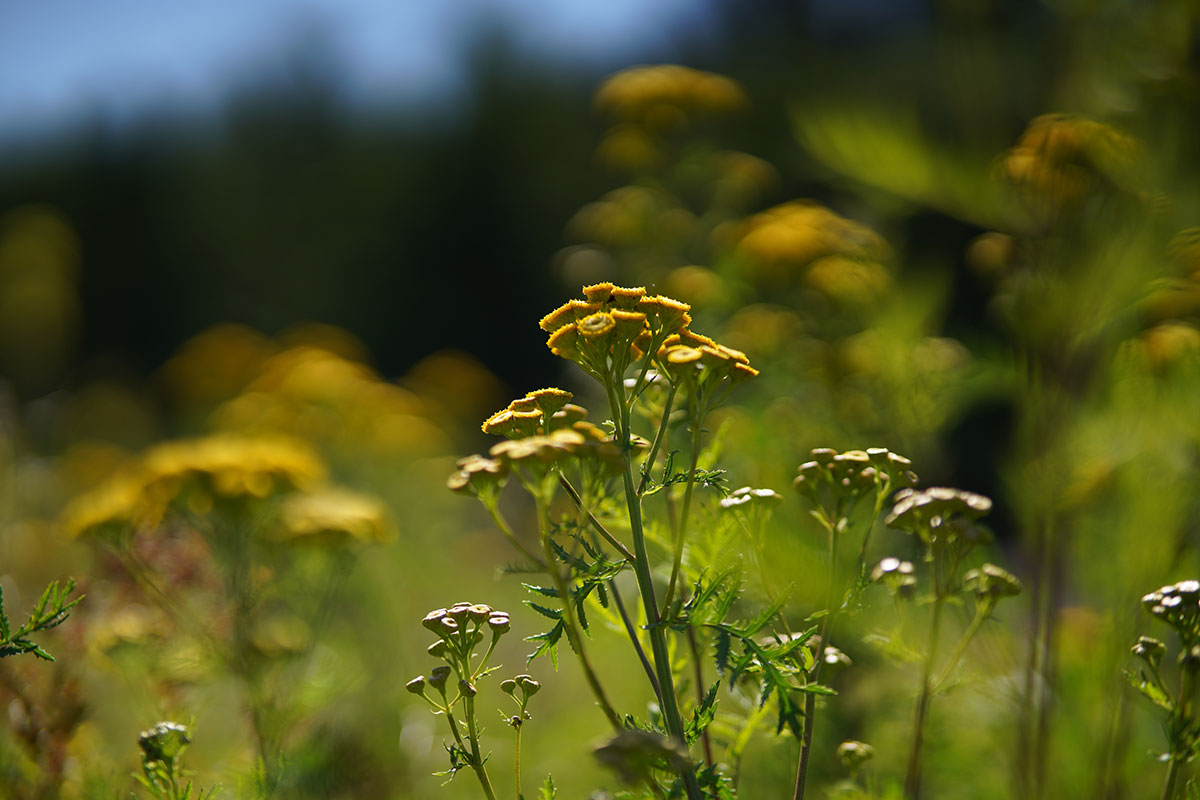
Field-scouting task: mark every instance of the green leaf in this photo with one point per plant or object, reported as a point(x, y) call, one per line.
point(544, 591)
point(703, 716)
point(547, 790)
point(552, 613)
point(721, 651)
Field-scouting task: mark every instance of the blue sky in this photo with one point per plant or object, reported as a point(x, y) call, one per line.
point(60, 59)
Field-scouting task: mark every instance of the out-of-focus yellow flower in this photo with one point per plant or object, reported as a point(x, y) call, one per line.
point(780, 242)
point(629, 148)
point(215, 365)
point(764, 328)
point(113, 508)
point(335, 515)
point(701, 285)
point(233, 466)
point(1060, 158)
point(650, 94)
point(1165, 345)
point(848, 281)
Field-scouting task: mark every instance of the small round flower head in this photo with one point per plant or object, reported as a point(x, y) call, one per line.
point(438, 677)
point(433, 620)
point(459, 611)
point(466, 688)
point(746, 497)
point(550, 400)
point(508, 686)
point(596, 325)
point(164, 742)
point(437, 649)
point(478, 475)
point(992, 581)
point(598, 292)
point(1178, 605)
point(529, 686)
point(896, 575)
point(1150, 650)
point(416, 685)
point(941, 515)
point(499, 623)
point(854, 754)
point(479, 612)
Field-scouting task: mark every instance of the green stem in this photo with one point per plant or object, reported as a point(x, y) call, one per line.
point(480, 771)
point(517, 759)
point(912, 779)
point(570, 623)
point(981, 615)
point(810, 699)
point(658, 639)
point(658, 438)
point(1183, 705)
point(681, 530)
point(507, 530)
point(596, 523)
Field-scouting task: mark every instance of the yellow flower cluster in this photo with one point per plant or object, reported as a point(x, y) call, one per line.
point(1060, 158)
point(613, 327)
point(197, 470)
point(836, 256)
point(542, 428)
point(650, 93)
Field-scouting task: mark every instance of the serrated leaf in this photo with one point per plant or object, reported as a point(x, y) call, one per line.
point(547, 791)
point(544, 591)
point(552, 613)
point(703, 716)
point(721, 651)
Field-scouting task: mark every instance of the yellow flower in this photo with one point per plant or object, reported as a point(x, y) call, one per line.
point(333, 516)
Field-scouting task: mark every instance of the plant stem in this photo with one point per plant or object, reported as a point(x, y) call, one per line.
point(659, 435)
point(658, 639)
point(681, 530)
point(981, 615)
point(570, 623)
point(507, 530)
point(810, 699)
point(517, 760)
point(704, 738)
point(480, 770)
point(635, 640)
point(912, 780)
point(596, 524)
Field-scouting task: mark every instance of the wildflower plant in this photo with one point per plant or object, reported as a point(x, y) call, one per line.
point(461, 629)
point(163, 775)
point(1178, 605)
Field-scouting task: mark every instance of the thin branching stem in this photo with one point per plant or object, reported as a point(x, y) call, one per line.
point(658, 639)
point(685, 508)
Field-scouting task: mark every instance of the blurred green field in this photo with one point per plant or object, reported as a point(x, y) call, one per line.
point(261, 520)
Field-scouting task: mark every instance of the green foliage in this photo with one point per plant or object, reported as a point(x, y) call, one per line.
point(51, 610)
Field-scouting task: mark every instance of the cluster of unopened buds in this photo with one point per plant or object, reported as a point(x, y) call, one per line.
point(1178, 605)
point(941, 516)
point(834, 480)
point(520, 689)
point(460, 628)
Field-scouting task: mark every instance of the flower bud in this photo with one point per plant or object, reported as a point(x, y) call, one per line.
point(529, 687)
point(164, 742)
point(466, 688)
point(499, 624)
point(479, 612)
point(433, 620)
point(416, 685)
point(1150, 650)
point(447, 626)
point(437, 649)
point(438, 676)
point(854, 754)
point(508, 686)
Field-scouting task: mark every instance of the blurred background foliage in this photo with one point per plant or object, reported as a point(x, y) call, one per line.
point(964, 230)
